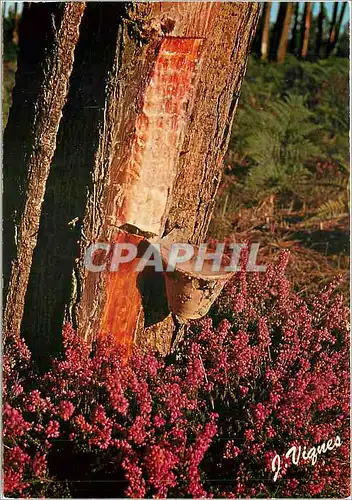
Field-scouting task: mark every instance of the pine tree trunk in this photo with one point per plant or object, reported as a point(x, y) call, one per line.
point(293, 42)
point(282, 48)
point(281, 32)
point(307, 19)
point(15, 25)
point(49, 35)
point(339, 24)
point(264, 48)
point(320, 30)
point(163, 74)
point(332, 31)
point(335, 27)
point(194, 173)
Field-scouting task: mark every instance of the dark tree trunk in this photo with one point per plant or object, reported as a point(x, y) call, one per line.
point(306, 23)
point(320, 30)
point(184, 62)
point(340, 21)
point(15, 25)
point(293, 46)
point(48, 37)
point(264, 46)
point(335, 27)
point(53, 275)
point(281, 32)
point(332, 31)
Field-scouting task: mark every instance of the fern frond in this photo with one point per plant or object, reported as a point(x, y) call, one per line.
point(332, 209)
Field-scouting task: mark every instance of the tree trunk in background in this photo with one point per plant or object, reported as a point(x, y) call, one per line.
point(264, 47)
point(164, 74)
point(307, 19)
point(332, 31)
point(293, 47)
point(15, 25)
point(49, 36)
point(340, 21)
point(282, 48)
point(281, 32)
point(320, 29)
point(335, 27)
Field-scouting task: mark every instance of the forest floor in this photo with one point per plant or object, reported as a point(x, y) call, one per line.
point(318, 252)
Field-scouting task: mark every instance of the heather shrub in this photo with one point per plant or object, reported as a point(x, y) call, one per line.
point(266, 372)
point(101, 427)
point(278, 376)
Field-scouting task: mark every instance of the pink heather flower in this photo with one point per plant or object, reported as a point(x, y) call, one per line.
point(13, 482)
point(160, 463)
point(270, 432)
point(39, 464)
point(231, 451)
point(13, 422)
point(249, 434)
point(269, 366)
point(52, 429)
point(158, 421)
point(66, 409)
point(137, 486)
point(17, 389)
point(34, 401)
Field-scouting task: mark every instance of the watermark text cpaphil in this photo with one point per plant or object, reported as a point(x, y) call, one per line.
point(112, 255)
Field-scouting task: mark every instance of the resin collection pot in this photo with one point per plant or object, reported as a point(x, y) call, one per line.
point(190, 294)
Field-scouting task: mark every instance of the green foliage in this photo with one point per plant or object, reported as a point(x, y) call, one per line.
point(9, 67)
point(9, 70)
point(290, 116)
point(281, 143)
point(340, 205)
point(343, 47)
point(10, 49)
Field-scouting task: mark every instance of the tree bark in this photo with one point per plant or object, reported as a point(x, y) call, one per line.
point(335, 27)
point(281, 32)
point(293, 42)
point(307, 19)
point(192, 181)
point(15, 25)
point(49, 35)
point(160, 75)
point(264, 47)
point(320, 30)
point(52, 286)
point(332, 31)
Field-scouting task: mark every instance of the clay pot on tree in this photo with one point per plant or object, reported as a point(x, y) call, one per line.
point(191, 292)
